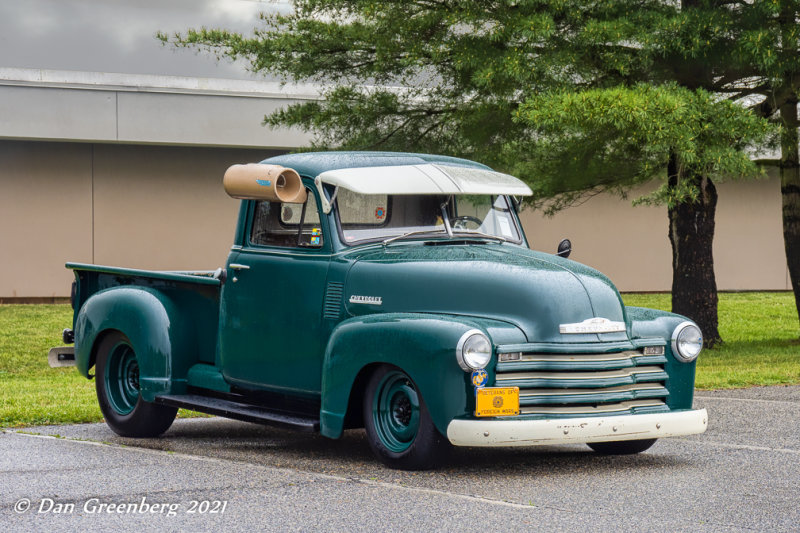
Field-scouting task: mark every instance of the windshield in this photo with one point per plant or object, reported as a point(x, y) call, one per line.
point(379, 217)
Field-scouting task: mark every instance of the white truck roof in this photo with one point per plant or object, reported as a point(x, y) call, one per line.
point(429, 178)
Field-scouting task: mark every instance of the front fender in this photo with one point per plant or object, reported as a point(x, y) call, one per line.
point(150, 321)
point(649, 323)
point(422, 345)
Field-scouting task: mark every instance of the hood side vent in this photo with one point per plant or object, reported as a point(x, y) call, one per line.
point(332, 306)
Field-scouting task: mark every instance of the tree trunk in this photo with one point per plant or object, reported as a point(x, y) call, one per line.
point(790, 193)
point(691, 233)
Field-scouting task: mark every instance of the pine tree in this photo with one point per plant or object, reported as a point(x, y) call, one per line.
point(576, 98)
point(747, 52)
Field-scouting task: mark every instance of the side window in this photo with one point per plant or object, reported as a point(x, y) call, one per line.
point(287, 225)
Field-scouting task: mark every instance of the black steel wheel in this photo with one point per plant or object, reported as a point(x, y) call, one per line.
point(117, 385)
point(399, 428)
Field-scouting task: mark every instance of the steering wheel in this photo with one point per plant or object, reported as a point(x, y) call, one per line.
point(461, 222)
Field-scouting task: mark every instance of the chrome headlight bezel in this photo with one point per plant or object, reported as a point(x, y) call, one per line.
point(677, 333)
point(466, 357)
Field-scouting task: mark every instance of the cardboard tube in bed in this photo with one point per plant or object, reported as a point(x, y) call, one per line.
point(273, 183)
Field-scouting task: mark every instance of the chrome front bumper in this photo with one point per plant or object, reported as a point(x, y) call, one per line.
point(499, 432)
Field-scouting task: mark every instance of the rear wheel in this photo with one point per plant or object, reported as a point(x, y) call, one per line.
point(399, 428)
point(623, 447)
point(117, 385)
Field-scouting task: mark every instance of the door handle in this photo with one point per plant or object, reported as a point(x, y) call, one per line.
point(237, 266)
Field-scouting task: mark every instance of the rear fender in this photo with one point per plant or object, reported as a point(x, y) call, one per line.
point(162, 342)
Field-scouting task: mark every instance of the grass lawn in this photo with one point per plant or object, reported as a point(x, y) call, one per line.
point(32, 393)
point(760, 331)
point(761, 340)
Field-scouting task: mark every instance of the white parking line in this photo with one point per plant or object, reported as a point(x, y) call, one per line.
point(703, 442)
point(718, 398)
point(371, 482)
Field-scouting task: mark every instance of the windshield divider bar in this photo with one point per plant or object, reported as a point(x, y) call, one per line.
point(445, 218)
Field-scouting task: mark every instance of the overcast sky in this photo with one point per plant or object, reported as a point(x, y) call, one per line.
point(118, 35)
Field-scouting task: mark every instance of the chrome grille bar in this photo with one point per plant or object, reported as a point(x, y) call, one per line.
point(609, 394)
point(622, 407)
point(610, 378)
point(605, 361)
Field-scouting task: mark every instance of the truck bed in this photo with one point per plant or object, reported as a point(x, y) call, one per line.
point(194, 293)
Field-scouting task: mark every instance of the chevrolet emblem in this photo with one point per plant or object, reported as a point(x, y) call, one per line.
point(592, 325)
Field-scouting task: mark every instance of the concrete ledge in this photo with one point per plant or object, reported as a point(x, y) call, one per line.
point(142, 109)
point(117, 81)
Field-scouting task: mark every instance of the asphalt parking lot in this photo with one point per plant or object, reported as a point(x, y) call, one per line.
point(741, 475)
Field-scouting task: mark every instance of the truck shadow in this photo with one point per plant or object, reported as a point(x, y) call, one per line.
point(351, 457)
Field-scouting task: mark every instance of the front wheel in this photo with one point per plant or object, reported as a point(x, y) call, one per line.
point(399, 428)
point(623, 447)
point(117, 385)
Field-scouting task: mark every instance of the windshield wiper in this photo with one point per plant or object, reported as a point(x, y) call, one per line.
point(481, 234)
point(411, 234)
point(451, 234)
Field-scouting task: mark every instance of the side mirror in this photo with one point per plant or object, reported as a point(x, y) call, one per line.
point(564, 248)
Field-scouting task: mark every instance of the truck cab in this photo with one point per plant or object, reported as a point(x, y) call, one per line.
point(394, 292)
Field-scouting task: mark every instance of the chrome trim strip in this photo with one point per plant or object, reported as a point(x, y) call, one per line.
point(579, 357)
point(568, 347)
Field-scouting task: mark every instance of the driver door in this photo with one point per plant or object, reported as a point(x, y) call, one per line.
point(271, 312)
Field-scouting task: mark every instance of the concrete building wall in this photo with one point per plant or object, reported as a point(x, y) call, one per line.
point(45, 216)
point(631, 244)
point(163, 207)
point(153, 207)
point(124, 169)
point(749, 248)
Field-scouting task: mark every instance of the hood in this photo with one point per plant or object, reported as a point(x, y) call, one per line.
point(532, 290)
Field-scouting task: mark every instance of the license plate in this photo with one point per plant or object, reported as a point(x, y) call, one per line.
point(497, 401)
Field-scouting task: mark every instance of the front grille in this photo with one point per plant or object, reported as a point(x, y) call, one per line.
point(556, 384)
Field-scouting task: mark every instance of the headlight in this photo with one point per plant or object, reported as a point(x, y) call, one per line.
point(687, 341)
point(473, 350)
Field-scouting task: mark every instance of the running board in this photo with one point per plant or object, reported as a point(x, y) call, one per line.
point(240, 411)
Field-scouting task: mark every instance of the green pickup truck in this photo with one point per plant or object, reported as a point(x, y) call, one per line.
point(394, 292)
